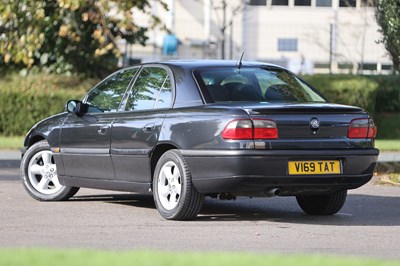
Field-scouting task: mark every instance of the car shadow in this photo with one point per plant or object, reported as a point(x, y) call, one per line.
point(359, 209)
point(134, 200)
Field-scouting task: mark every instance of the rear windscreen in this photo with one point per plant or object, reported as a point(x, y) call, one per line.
point(254, 84)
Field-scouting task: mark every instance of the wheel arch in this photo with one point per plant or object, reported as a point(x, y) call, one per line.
point(156, 154)
point(33, 139)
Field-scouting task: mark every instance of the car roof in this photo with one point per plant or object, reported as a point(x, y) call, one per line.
point(210, 63)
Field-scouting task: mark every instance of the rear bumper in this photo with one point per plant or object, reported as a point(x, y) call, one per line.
point(253, 172)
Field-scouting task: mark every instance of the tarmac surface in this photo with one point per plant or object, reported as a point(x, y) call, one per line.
point(368, 225)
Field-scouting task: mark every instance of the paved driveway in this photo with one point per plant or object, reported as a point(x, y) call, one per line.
point(368, 225)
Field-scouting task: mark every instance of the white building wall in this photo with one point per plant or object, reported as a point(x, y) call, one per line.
point(198, 23)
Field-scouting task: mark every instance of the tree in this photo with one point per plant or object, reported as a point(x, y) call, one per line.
point(77, 36)
point(387, 15)
point(223, 25)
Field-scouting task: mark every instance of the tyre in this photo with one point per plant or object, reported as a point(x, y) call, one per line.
point(174, 194)
point(328, 204)
point(39, 175)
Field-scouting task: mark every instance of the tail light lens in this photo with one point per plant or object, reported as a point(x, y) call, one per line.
point(362, 128)
point(265, 129)
point(238, 129)
point(246, 129)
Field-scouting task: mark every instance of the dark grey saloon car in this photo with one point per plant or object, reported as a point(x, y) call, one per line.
point(183, 130)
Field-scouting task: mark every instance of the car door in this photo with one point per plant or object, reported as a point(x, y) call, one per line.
point(135, 132)
point(85, 141)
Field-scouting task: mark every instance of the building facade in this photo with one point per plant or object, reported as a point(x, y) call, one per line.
point(307, 36)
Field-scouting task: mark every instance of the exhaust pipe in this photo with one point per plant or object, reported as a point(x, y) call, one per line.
point(272, 192)
point(226, 196)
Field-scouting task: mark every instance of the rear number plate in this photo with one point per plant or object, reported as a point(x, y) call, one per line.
point(314, 167)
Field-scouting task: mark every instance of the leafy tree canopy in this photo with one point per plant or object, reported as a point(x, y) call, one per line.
point(73, 36)
point(388, 17)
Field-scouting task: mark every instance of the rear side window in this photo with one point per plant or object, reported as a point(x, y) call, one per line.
point(253, 84)
point(152, 89)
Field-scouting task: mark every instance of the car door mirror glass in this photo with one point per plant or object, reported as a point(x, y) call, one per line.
point(71, 106)
point(77, 107)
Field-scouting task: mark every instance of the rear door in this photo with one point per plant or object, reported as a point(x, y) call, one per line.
point(85, 141)
point(135, 132)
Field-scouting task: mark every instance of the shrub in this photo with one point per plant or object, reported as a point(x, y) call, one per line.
point(377, 94)
point(346, 89)
point(388, 97)
point(25, 101)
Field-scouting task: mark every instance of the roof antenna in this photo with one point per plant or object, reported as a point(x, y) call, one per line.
point(239, 64)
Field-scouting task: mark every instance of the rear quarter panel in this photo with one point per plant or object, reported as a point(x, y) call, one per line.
point(200, 128)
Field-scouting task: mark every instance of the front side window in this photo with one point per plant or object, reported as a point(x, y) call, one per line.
point(106, 96)
point(253, 84)
point(152, 89)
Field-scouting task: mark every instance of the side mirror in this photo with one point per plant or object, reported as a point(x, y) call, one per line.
point(77, 107)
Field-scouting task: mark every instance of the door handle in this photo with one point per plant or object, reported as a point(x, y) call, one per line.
point(149, 127)
point(103, 130)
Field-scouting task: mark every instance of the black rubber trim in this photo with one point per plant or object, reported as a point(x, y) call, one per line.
point(292, 153)
point(130, 151)
point(143, 188)
point(84, 151)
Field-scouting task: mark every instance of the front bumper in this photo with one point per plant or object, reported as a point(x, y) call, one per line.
point(254, 172)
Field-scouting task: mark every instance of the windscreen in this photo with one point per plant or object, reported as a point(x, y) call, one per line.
point(254, 84)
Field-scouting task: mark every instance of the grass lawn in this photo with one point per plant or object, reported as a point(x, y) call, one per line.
point(388, 144)
point(11, 143)
point(44, 257)
point(17, 143)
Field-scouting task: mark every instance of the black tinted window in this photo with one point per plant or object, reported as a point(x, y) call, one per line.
point(255, 85)
point(152, 89)
point(107, 96)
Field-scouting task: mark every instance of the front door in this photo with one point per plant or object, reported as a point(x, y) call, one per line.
point(85, 141)
point(85, 146)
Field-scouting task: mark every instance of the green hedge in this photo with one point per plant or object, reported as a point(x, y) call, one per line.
point(25, 101)
point(376, 94)
point(388, 97)
point(379, 95)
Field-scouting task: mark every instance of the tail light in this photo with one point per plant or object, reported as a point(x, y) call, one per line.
point(246, 129)
point(362, 128)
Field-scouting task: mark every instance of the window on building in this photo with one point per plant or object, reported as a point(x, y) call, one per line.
point(302, 2)
point(323, 3)
point(280, 2)
point(368, 3)
point(287, 45)
point(258, 2)
point(347, 3)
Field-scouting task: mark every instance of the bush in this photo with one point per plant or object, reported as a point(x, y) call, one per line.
point(376, 94)
point(26, 101)
point(379, 95)
point(388, 97)
point(347, 89)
